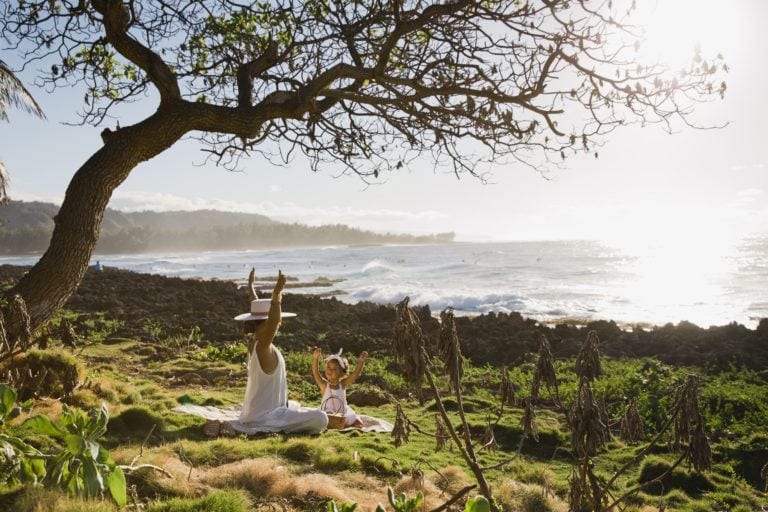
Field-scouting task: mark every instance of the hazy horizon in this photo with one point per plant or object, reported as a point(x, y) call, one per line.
point(645, 184)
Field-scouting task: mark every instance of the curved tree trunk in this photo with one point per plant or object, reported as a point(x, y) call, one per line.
point(56, 276)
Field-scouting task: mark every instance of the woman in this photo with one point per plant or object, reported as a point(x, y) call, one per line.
point(266, 407)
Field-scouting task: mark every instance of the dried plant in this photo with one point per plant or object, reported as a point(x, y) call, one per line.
point(588, 360)
point(43, 339)
point(699, 450)
point(16, 320)
point(417, 477)
point(545, 370)
point(602, 411)
point(687, 412)
point(586, 492)
point(597, 497)
point(402, 428)
point(507, 390)
point(408, 346)
point(20, 316)
point(631, 425)
point(67, 334)
point(488, 441)
point(410, 351)
point(588, 432)
point(576, 490)
point(4, 344)
point(528, 421)
point(448, 348)
point(764, 476)
point(441, 434)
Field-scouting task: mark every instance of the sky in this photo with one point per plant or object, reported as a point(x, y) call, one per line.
point(646, 184)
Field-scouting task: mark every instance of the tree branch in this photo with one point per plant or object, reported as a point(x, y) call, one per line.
point(116, 20)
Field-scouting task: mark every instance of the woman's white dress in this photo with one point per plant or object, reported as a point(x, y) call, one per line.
point(335, 402)
point(266, 407)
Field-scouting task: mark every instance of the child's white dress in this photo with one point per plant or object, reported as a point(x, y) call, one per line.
point(335, 402)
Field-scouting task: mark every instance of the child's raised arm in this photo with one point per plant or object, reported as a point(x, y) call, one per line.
point(319, 380)
point(348, 381)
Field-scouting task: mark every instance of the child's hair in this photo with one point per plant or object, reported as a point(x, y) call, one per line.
point(343, 361)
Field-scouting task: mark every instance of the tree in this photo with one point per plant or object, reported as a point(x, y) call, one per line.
point(13, 94)
point(364, 86)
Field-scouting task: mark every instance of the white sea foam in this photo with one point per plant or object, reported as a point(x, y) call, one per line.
point(542, 280)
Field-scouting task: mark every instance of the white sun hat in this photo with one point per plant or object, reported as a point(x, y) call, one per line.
point(260, 311)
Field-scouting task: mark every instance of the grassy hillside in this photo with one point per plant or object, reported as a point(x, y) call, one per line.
point(142, 366)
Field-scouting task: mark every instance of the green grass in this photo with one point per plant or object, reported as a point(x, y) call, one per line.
point(141, 386)
point(221, 501)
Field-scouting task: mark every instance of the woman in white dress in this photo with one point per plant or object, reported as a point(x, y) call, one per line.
point(266, 407)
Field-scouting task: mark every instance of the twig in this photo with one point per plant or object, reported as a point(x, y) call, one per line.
point(183, 456)
point(424, 432)
point(465, 449)
point(498, 465)
point(132, 469)
point(456, 497)
point(433, 468)
point(143, 443)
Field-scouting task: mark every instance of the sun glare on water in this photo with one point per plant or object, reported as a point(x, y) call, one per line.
point(681, 276)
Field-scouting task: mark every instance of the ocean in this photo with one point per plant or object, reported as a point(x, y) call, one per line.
point(548, 281)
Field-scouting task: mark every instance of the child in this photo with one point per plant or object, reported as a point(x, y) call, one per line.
point(334, 385)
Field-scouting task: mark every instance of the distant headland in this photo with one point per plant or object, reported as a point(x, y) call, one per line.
point(26, 227)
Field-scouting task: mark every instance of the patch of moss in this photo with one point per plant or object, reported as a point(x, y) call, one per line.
point(135, 422)
point(692, 484)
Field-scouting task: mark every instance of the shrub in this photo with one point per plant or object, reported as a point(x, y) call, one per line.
point(44, 373)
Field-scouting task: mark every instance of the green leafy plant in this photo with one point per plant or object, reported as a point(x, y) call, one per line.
point(231, 353)
point(344, 507)
point(477, 504)
point(83, 466)
point(19, 462)
point(401, 502)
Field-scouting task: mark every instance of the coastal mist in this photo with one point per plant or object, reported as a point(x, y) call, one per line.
point(549, 281)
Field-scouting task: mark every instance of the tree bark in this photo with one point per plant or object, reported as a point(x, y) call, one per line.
point(56, 276)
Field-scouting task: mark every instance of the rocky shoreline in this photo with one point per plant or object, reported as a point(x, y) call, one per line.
point(142, 304)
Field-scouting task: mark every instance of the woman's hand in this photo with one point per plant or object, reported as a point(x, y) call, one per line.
point(280, 284)
point(252, 295)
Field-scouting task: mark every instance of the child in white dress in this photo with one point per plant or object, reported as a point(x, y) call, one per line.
point(334, 385)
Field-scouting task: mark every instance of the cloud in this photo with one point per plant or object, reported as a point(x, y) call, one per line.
point(750, 192)
point(23, 196)
point(748, 167)
point(131, 201)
